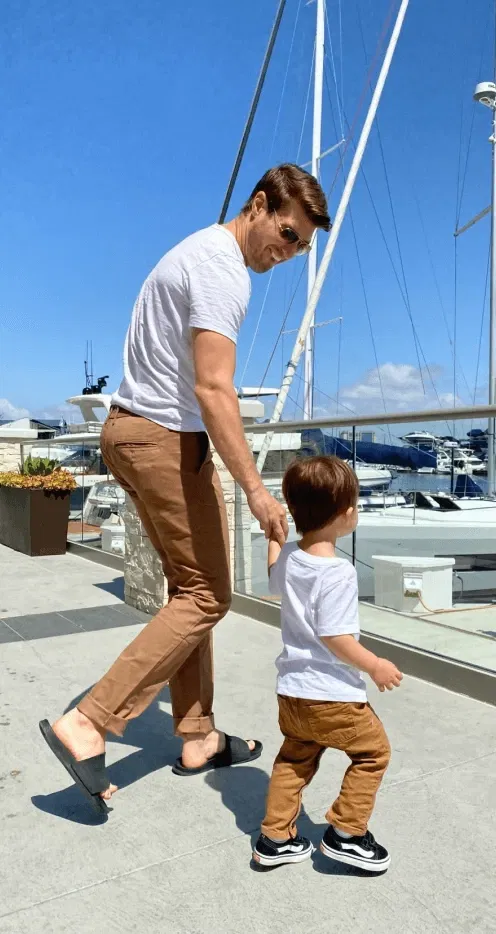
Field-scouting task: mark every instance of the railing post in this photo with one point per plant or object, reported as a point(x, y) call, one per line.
point(354, 456)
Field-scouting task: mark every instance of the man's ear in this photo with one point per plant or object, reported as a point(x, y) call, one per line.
point(259, 203)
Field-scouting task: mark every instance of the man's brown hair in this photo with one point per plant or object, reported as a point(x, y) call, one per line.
point(287, 183)
point(318, 490)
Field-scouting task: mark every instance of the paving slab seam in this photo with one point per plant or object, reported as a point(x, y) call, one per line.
point(122, 875)
point(444, 768)
point(169, 859)
point(413, 894)
point(31, 644)
point(72, 621)
point(5, 623)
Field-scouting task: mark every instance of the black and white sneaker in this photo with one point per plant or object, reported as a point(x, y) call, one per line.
point(363, 852)
point(294, 850)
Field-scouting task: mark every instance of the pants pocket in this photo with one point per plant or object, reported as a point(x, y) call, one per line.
point(331, 723)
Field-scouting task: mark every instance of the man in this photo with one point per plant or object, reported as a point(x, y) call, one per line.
point(179, 364)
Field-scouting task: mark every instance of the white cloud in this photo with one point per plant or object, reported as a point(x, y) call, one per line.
point(402, 386)
point(10, 411)
point(65, 411)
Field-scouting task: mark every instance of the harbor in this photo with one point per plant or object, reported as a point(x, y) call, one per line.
point(346, 308)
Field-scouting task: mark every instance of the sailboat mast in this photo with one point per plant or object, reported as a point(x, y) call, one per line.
point(485, 93)
point(331, 243)
point(491, 446)
point(318, 90)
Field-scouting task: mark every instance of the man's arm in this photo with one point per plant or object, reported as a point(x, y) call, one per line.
point(215, 362)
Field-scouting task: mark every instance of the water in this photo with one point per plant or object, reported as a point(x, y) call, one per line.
point(429, 483)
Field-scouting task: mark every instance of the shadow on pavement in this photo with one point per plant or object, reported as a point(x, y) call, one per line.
point(243, 790)
point(115, 587)
point(152, 733)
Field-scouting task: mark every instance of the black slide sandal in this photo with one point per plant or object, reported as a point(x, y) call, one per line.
point(236, 752)
point(90, 775)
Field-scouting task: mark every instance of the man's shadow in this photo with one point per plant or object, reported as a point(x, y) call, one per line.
point(243, 790)
point(152, 733)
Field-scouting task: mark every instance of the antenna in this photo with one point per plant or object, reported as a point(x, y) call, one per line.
point(92, 388)
point(86, 372)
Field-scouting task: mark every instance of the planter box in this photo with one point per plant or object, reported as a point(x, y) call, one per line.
point(34, 521)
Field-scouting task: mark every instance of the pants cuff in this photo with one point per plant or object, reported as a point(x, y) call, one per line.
point(274, 835)
point(102, 717)
point(356, 830)
point(186, 725)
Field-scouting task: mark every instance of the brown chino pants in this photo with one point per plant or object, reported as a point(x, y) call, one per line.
point(174, 485)
point(311, 727)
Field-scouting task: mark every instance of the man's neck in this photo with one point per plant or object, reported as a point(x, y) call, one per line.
point(238, 229)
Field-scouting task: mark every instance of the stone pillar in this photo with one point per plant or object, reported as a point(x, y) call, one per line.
point(144, 582)
point(10, 456)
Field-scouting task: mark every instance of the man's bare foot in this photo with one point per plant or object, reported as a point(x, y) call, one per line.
point(83, 739)
point(198, 748)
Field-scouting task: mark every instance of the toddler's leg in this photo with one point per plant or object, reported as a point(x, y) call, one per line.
point(369, 752)
point(294, 768)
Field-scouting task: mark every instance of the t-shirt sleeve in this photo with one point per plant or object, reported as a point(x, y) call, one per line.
point(219, 290)
point(337, 607)
point(275, 584)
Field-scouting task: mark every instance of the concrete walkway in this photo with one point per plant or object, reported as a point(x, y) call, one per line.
point(174, 855)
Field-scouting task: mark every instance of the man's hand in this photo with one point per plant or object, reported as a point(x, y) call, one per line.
point(385, 675)
point(270, 514)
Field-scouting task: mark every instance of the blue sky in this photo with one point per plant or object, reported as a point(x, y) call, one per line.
point(119, 129)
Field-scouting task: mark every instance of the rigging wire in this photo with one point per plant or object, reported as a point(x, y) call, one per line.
point(326, 395)
point(388, 250)
point(283, 324)
point(386, 244)
point(481, 333)
point(283, 90)
point(253, 109)
point(343, 150)
point(461, 179)
point(257, 328)
point(298, 154)
point(367, 307)
point(437, 286)
point(366, 84)
point(340, 333)
point(331, 50)
point(393, 214)
point(340, 21)
point(400, 252)
point(455, 321)
point(276, 127)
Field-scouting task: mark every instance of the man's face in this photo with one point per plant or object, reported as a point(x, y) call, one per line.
point(265, 244)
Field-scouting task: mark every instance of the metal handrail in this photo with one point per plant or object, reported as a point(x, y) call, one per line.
point(389, 418)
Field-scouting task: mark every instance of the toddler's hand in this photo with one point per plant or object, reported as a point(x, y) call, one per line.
point(386, 675)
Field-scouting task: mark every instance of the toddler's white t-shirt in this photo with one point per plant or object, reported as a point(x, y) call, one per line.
point(319, 598)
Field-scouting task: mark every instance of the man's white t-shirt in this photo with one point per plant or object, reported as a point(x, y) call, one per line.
point(319, 598)
point(202, 282)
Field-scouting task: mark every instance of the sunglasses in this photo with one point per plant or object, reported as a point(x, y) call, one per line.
point(290, 236)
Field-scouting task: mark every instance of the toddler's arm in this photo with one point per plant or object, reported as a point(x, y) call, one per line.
point(274, 552)
point(383, 672)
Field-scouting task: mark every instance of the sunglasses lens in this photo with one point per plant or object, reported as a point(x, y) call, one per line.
point(289, 235)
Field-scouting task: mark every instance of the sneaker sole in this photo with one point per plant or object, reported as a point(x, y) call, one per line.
point(367, 864)
point(283, 859)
